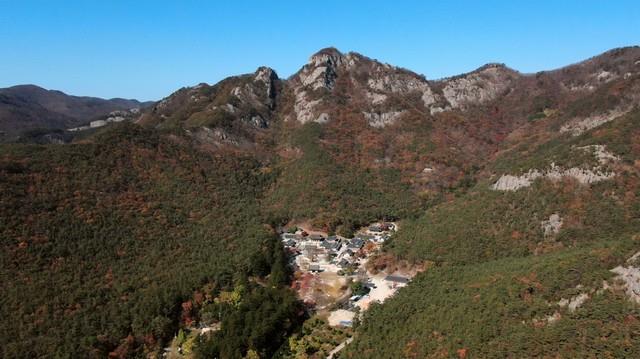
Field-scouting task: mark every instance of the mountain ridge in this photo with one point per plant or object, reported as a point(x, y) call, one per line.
point(386, 111)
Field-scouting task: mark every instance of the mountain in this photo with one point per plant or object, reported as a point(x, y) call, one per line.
point(435, 134)
point(516, 193)
point(29, 107)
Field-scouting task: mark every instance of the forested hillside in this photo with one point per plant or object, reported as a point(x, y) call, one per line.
point(338, 196)
point(103, 241)
point(507, 280)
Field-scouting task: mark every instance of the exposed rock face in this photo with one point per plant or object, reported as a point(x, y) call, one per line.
point(319, 73)
point(575, 302)
point(322, 69)
point(305, 108)
point(376, 98)
point(581, 125)
point(602, 155)
point(629, 276)
point(605, 76)
point(260, 92)
point(376, 82)
point(379, 83)
point(552, 225)
point(269, 77)
point(514, 183)
point(477, 87)
point(399, 83)
point(258, 121)
point(217, 137)
point(380, 120)
point(584, 176)
point(590, 74)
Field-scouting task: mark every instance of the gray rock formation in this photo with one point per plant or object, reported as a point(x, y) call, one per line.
point(477, 87)
point(380, 120)
point(552, 225)
point(629, 277)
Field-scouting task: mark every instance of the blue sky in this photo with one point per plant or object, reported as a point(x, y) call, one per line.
point(148, 49)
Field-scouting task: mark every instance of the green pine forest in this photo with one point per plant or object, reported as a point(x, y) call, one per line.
point(494, 278)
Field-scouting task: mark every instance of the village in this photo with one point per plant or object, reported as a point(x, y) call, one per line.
point(331, 275)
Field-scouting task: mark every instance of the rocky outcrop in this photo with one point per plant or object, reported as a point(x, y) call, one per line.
point(322, 69)
point(376, 82)
point(261, 92)
point(379, 120)
point(584, 176)
point(319, 73)
point(552, 225)
point(269, 78)
point(480, 86)
point(629, 277)
point(574, 303)
point(305, 108)
point(579, 126)
point(215, 136)
point(399, 83)
point(602, 155)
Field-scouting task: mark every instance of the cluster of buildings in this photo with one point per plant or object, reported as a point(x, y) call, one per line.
point(317, 252)
point(326, 262)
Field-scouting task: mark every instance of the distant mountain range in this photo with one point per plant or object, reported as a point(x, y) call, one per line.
point(29, 107)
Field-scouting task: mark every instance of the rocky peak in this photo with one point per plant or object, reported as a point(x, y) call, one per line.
point(372, 80)
point(265, 74)
point(329, 56)
point(322, 69)
point(269, 77)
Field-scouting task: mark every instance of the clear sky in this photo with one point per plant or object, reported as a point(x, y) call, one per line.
point(148, 49)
